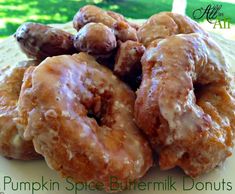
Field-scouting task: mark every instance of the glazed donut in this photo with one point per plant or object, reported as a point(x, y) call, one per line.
point(116, 16)
point(39, 41)
point(190, 129)
point(127, 62)
point(90, 13)
point(80, 118)
point(164, 24)
point(96, 39)
point(120, 18)
point(12, 145)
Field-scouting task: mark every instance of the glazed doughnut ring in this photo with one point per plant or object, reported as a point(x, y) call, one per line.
point(182, 103)
point(80, 118)
point(11, 144)
point(164, 24)
point(156, 28)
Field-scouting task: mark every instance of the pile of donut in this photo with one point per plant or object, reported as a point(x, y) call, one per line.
point(107, 100)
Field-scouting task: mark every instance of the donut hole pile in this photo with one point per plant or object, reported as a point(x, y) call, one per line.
point(99, 33)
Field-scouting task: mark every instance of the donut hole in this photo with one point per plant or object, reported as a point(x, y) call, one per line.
point(100, 108)
point(95, 39)
point(197, 90)
point(55, 139)
point(185, 156)
point(92, 115)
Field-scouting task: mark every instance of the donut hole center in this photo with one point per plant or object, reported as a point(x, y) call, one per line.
point(99, 102)
point(186, 156)
point(101, 108)
point(197, 90)
point(92, 115)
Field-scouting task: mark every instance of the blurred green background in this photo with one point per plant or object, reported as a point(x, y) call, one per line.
point(15, 12)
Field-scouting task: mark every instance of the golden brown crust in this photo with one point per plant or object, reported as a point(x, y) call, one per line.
point(119, 17)
point(11, 144)
point(90, 13)
point(193, 132)
point(39, 41)
point(128, 58)
point(127, 62)
point(164, 24)
point(96, 39)
point(116, 16)
point(80, 117)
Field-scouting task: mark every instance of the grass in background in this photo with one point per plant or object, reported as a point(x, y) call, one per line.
point(15, 12)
